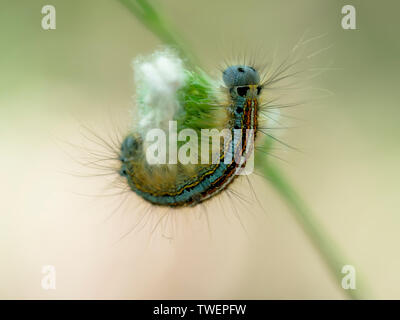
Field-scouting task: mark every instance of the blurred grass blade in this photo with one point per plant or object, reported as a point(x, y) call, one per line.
point(150, 18)
point(326, 247)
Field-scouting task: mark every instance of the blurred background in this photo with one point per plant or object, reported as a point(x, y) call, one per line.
point(348, 171)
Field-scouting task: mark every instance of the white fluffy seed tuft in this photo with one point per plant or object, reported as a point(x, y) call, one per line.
point(158, 77)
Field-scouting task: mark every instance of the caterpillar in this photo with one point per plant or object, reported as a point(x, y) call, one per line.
point(197, 107)
point(247, 97)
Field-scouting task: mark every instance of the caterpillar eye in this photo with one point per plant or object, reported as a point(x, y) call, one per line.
point(242, 91)
point(259, 88)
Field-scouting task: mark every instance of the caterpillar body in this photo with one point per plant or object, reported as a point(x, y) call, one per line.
point(180, 184)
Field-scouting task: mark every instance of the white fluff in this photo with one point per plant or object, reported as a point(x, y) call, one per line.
point(158, 78)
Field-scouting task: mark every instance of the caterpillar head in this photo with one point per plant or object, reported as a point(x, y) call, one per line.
point(242, 80)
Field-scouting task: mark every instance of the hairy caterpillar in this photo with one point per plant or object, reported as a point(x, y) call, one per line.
point(248, 97)
point(188, 184)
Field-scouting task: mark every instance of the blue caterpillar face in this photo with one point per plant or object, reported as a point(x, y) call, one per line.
point(240, 75)
point(240, 78)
